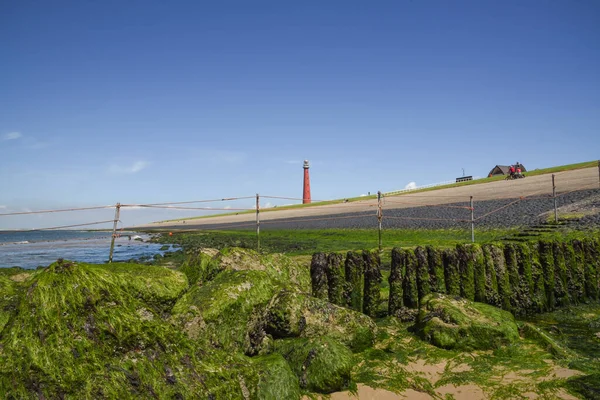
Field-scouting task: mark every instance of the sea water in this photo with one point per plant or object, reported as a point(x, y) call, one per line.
point(30, 249)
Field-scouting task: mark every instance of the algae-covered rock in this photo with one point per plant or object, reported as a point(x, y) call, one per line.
point(298, 315)
point(276, 379)
point(158, 286)
point(7, 300)
point(199, 267)
point(79, 331)
point(322, 364)
point(278, 266)
point(456, 323)
point(227, 311)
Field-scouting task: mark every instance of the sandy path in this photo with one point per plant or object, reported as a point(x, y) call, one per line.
point(586, 178)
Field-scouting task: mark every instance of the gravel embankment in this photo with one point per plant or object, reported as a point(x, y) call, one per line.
point(520, 214)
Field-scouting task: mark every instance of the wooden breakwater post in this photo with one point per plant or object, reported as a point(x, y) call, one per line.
point(592, 267)
point(437, 282)
point(523, 278)
point(372, 288)
point(318, 276)
point(335, 279)
point(451, 274)
point(422, 270)
point(410, 290)
point(396, 278)
point(491, 294)
point(466, 269)
point(354, 271)
point(114, 232)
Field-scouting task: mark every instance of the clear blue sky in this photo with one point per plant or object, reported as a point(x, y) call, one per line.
point(150, 101)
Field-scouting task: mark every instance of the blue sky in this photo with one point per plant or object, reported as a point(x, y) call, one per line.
point(152, 101)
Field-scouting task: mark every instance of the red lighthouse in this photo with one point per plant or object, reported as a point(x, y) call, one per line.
point(306, 193)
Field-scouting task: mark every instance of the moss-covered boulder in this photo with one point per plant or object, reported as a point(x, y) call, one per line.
point(278, 266)
point(7, 300)
point(199, 267)
point(227, 311)
point(322, 364)
point(276, 380)
point(79, 331)
point(157, 286)
point(293, 314)
point(456, 323)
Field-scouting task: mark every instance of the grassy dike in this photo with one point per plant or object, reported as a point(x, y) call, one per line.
point(534, 172)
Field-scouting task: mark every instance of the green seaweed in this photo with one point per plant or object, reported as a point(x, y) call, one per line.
point(322, 364)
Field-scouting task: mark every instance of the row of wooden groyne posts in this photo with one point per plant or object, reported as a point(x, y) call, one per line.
point(523, 278)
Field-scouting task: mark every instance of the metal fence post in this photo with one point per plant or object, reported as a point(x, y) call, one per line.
point(114, 233)
point(554, 198)
point(472, 220)
point(257, 222)
point(379, 216)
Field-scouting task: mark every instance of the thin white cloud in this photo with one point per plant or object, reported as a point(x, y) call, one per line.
point(411, 185)
point(11, 136)
point(131, 169)
point(227, 207)
point(2, 207)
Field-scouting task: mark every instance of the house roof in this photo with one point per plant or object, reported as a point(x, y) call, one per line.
point(504, 168)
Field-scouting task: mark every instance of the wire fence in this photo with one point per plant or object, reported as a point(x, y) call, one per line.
point(394, 211)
